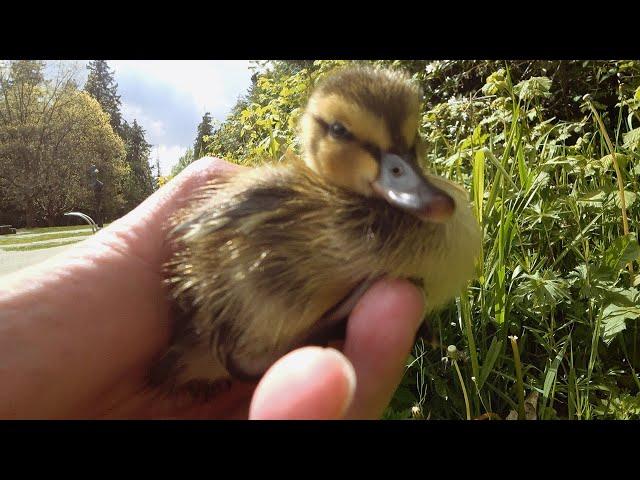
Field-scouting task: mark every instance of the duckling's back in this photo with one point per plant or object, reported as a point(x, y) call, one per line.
point(263, 257)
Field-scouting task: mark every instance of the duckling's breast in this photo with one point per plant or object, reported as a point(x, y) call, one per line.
point(396, 243)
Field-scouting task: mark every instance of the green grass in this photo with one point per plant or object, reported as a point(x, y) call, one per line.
point(41, 246)
point(54, 229)
point(13, 239)
point(555, 308)
point(21, 243)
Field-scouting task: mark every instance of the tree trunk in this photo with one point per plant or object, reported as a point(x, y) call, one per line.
point(29, 213)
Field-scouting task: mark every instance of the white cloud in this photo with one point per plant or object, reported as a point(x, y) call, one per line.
point(155, 129)
point(210, 85)
point(168, 155)
point(169, 97)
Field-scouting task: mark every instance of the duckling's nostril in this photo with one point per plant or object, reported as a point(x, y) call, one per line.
point(438, 209)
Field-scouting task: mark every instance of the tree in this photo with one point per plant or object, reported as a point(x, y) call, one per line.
point(183, 161)
point(49, 133)
point(140, 183)
point(101, 86)
point(91, 141)
point(158, 173)
point(27, 73)
point(205, 129)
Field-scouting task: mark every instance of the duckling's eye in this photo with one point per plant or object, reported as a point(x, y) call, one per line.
point(337, 130)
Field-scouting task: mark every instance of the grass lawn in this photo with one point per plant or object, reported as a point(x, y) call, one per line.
point(37, 236)
point(12, 239)
point(24, 248)
point(55, 229)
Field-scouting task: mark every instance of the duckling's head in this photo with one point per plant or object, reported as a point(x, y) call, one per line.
point(360, 132)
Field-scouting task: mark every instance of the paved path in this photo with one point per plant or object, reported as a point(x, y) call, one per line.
point(14, 261)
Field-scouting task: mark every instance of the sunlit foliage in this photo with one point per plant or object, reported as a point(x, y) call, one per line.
point(550, 153)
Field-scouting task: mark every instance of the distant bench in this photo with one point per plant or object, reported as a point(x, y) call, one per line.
point(6, 230)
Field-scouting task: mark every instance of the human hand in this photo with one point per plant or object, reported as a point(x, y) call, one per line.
point(79, 333)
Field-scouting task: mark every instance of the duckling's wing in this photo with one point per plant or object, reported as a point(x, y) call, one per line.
point(331, 326)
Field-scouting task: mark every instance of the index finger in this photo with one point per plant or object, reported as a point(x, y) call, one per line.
point(380, 334)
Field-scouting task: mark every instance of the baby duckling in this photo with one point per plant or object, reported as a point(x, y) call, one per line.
point(275, 258)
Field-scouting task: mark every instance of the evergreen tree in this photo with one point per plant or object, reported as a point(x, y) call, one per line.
point(183, 162)
point(158, 174)
point(204, 129)
point(141, 182)
point(27, 72)
point(101, 86)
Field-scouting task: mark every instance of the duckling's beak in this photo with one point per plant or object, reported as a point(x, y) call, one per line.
point(403, 185)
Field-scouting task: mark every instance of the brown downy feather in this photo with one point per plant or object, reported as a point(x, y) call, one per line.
point(263, 255)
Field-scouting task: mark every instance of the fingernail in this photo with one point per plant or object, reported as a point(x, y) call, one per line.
point(349, 374)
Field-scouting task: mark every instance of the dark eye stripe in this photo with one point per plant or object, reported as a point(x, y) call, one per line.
point(322, 123)
point(334, 129)
point(373, 150)
point(337, 130)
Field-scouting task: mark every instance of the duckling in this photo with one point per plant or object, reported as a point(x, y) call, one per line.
point(276, 258)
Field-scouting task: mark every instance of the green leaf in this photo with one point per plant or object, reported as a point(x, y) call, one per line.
point(620, 296)
point(614, 319)
point(478, 183)
point(499, 166)
point(273, 147)
point(391, 414)
point(553, 371)
point(533, 87)
point(541, 180)
point(606, 162)
point(495, 83)
point(523, 171)
point(594, 198)
point(404, 397)
point(456, 157)
point(629, 198)
point(632, 139)
point(440, 387)
point(492, 355)
point(623, 250)
point(476, 139)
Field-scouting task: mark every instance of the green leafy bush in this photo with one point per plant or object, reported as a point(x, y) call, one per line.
point(549, 152)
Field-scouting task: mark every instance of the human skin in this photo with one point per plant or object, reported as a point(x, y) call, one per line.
point(80, 331)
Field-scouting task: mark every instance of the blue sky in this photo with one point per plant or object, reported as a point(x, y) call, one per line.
point(169, 97)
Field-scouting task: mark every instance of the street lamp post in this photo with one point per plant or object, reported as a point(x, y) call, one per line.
point(97, 186)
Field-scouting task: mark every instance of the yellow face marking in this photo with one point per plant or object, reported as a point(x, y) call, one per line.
point(360, 122)
point(346, 163)
point(410, 128)
point(343, 163)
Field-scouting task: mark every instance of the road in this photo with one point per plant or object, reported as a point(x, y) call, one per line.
point(14, 261)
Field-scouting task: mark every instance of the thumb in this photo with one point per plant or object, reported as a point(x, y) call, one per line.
point(310, 383)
